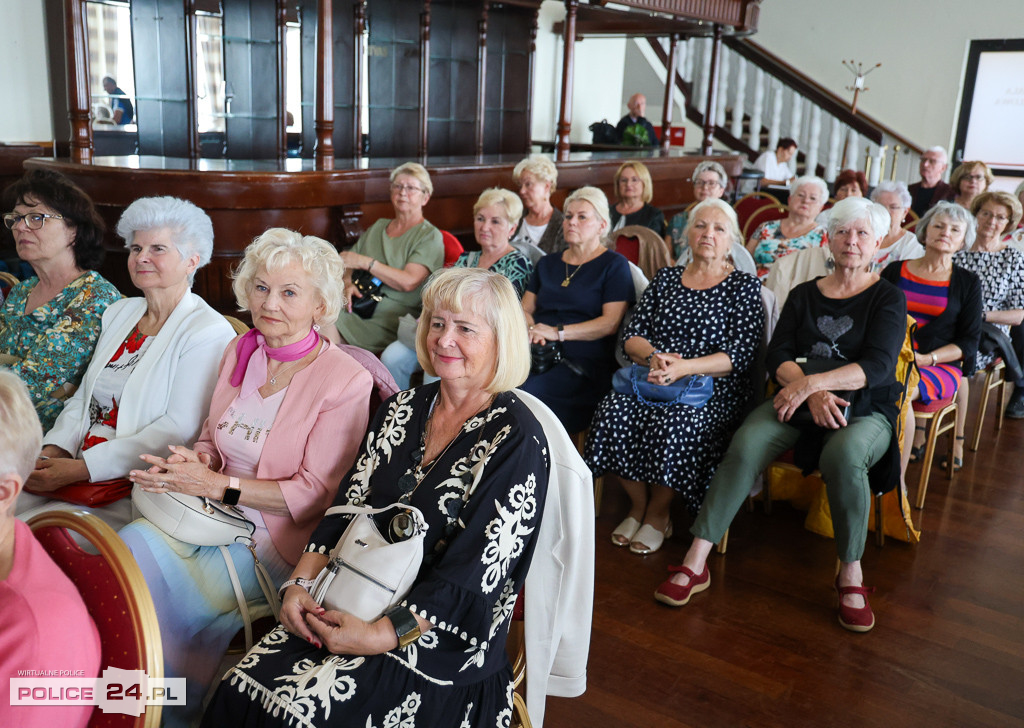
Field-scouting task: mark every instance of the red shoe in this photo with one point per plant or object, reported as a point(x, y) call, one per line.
point(675, 595)
point(855, 619)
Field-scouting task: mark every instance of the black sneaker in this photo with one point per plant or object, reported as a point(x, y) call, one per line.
point(1015, 409)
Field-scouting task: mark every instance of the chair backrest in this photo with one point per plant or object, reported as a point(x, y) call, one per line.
point(452, 248)
point(651, 252)
point(384, 384)
point(761, 216)
point(116, 595)
point(751, 203)
point(912, 219)
point(238, 325)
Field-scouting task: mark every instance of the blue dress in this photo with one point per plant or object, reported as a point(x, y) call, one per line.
point(605, 279)
point(458, 673)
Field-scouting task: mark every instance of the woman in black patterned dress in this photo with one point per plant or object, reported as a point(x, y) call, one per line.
point(478, 457)
point(706, 319)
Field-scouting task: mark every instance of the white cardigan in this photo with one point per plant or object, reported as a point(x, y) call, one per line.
point(560, 584)
point(167, 396)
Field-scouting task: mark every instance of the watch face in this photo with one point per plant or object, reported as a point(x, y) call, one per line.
point(231, 496)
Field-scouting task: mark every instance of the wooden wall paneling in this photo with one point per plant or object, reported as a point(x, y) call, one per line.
point(158, 47)
point(251, 69)
point(343, 48)
point(712, 100)
point(670, 85)
point(57, 50)
point(324, 85)
point(514, 109)
point(78, 81)
point(531, 71)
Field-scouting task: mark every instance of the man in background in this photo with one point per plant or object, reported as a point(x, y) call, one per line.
point(775, 165)
point(119, 103)
point(931, 189)
point(633, 129)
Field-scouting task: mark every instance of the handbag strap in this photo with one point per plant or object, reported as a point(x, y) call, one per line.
point(266, 586)
point(691, 380)
point(367, 511)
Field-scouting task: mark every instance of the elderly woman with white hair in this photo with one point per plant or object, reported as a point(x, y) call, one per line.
point(287, 415)
point(470, 455)
point(575, 303)
point(797, 231)
point(152, 372)
point(709, 182)
point(540, 229)
point(898, 244)
point(704, 318)
point(833, 355)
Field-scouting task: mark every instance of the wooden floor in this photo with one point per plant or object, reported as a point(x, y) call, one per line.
point(762, 646)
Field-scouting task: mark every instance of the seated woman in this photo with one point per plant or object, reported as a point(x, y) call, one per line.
point(288, 413)
point(633, 192)
point(540, 229)
point(945, 301)
point(857, 323)
point(495, 216)
point(1016, 238)
point(709, 182)
point(968, 181)
point(1000, 267)
point(849, 183)
point(49, 323)
point(704, 319)
point(401, 253)
point(582, 307)
point(32, 585)
point(898, 244)
point(477, 457)
point(797, 231)
point(150, 380)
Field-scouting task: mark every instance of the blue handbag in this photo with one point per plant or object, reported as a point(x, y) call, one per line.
point(694, 390)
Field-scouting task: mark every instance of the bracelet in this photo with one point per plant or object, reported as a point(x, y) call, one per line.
point(407, 627)
point(306, 584)
point(370, 266)
point(934, 358)
point(561, 332)
point(651, 356)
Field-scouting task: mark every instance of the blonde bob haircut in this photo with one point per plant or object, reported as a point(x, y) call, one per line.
point(509, 202)
point(540, 167)
point(491, 296)
point(723, 207)
point(998, 197)
point(642, 173)
point(597, 200)
point(279, 247)
point(414, 170)
point(21, 436)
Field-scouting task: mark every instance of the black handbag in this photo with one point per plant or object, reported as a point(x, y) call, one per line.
point(544, 356)
point(603, 133)
point(369, 286)
point(803, 415)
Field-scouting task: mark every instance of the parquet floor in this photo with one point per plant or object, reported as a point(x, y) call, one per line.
point(762, 646)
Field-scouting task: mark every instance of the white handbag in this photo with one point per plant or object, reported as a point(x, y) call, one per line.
point(205, 522)
point(367, 574)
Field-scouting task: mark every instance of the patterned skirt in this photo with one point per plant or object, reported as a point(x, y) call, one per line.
point(939, 382)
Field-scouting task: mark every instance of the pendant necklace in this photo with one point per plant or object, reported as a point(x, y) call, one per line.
point(273, 379)
point(403, 525)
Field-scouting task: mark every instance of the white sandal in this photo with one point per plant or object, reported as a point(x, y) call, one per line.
point(649, 539)
point(627, 530)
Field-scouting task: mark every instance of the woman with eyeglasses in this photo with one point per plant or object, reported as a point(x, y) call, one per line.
point(709, 181)
point(399, 252)
point(634, 191)
point(49, 323)
point(968, 181)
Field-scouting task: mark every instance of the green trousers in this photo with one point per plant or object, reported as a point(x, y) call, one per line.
point(846, 456)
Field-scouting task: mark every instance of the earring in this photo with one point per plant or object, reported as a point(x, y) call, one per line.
point(316, 327)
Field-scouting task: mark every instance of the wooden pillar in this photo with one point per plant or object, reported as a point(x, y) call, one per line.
point(282, 78)
point(709, 109)
point(79, 106)
point(568, 52)
point(670, 85)
point(481, 77)
point(358, 73)
point(191, 74)
point(324, 85)
point(532, 70)
point(424, 77)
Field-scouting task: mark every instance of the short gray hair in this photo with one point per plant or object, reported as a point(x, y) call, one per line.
point(900, 188)
point(278, 247)
point(509, 202)
point(851, 209)
point(810, 179)
point(941, 150)
point(191, 228)
point(21, 436)
point(723, 207)
point(597, 200)
point(708, 166)
point(540, 167)
point(954, 212)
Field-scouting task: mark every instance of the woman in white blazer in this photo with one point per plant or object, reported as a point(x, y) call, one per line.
point(152, 372)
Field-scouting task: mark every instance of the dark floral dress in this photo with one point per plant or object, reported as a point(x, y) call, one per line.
point(457, 674)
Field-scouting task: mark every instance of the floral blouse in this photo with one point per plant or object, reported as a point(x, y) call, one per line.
point(54, 343)
point(772, 244)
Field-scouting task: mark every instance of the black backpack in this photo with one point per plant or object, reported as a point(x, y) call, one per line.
point(603, 133)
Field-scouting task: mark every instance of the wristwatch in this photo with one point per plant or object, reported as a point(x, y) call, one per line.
point(232, 493)
point(306, 584)
point(561, 332)
point(407, 627)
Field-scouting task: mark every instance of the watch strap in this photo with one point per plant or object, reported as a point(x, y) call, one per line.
point(407, 627)
point(232, 493)
point(306, 584)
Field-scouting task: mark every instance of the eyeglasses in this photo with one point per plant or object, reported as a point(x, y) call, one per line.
point(707, 183)
point(408, 189)
point(974, 177)
point(33, 220)
point(986, 215)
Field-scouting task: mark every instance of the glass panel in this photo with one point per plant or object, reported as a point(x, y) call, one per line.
point(293, 82)
point(214, 95)
point(111, 66)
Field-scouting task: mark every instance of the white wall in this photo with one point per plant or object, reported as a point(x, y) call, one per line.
point(24, 84)
point(921, 44)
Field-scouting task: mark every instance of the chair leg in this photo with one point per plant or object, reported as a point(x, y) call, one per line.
point(522, 717)
point(598, 494)
point(766, 493)
point(879, 522)
point(1002, 400)
point(926, 462)
point(724, 543)
point(982, 407)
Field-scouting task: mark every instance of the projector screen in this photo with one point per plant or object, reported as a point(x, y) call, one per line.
point(992, 112)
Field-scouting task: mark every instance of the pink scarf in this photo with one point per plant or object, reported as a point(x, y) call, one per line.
point(253, 341)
